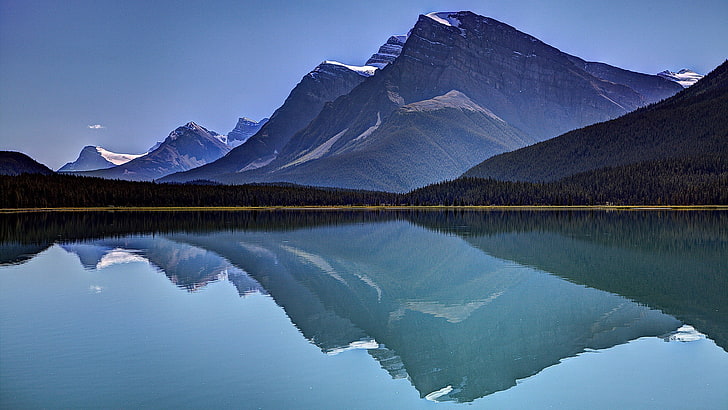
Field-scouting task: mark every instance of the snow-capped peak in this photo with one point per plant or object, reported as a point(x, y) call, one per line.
point(684, 77)
point(191, 125)
point(447, 18)
point(365, 70)
point(116, 158)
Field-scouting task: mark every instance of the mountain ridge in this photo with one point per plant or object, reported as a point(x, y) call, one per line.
point(186, 147)
point(650, 133)
point(526, 83)
point(15, 163)
point(96, 157)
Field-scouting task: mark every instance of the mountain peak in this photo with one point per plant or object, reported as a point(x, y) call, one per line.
point(244, 129)
point(448, 18)
point(684, 77)
point(387, 52)
point(194, 127)
point(96, 157)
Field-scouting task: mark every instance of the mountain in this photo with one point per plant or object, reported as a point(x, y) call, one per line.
point(17, 163)
point(684, 77)
point(328, 81)
point(689, 124)
point(244, 129)
point(653, 87)
point(93, 158)
point(448, 130)
point(370, 138)
point(388, 52)
point(186, 147)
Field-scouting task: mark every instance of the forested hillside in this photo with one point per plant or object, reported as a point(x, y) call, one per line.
point(686, 181)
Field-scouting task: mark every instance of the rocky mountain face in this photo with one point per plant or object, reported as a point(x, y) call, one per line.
point(653, 88)
point(244, 129)
point(322, 85)
point(17, 163)
point(479, 79)
point(387, 52)
point(186, 147)
point(688, 125)
point(93, 158)
point(429, 140)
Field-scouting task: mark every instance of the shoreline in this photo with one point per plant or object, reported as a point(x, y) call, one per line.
point(377, 208)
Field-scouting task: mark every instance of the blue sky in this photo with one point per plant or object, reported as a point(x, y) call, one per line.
point(138, 69)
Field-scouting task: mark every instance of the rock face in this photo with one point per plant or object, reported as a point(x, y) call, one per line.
point(690, 125)
point(244, 129)
point(93, 158)
point(17, 163)
point(388, 52)
point(652, 88)
point(480, 80)
point(185, 148)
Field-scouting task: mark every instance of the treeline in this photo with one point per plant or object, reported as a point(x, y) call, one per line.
point(39, 191)
point(683, 181)
point(676, 181)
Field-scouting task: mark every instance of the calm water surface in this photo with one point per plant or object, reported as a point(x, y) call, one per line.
point(364, 310)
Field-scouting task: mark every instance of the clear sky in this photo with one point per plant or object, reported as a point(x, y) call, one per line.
point(123, 74)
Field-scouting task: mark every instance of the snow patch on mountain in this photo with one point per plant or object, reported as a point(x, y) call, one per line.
point(451, 99)
point(318, 152)
point(447, 18)
point(365, 70)
point(369, 131)
point(684, 77)
point(117, 158)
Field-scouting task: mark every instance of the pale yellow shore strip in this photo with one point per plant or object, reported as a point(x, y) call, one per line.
point(381, 208)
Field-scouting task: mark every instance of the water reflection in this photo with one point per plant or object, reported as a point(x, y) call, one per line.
point(461, 304)
point(188, 267)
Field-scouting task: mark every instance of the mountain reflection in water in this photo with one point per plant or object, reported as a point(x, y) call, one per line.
point(463, 304)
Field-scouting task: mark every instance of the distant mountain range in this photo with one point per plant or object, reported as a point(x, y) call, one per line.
point(464, 87)
point(690, 124)
point(325, 83)
point(93, 158)
point(186, 147)
point(244, 129)
point(432, 105)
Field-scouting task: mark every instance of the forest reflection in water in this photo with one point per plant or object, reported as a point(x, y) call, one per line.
point(462, 304)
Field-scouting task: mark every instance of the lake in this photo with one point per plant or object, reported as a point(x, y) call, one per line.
point(364, 309)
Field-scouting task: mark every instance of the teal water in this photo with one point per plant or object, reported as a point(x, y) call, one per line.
point(364, 310)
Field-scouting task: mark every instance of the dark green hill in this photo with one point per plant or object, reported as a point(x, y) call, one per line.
point(692, 123)
point(17, 163)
